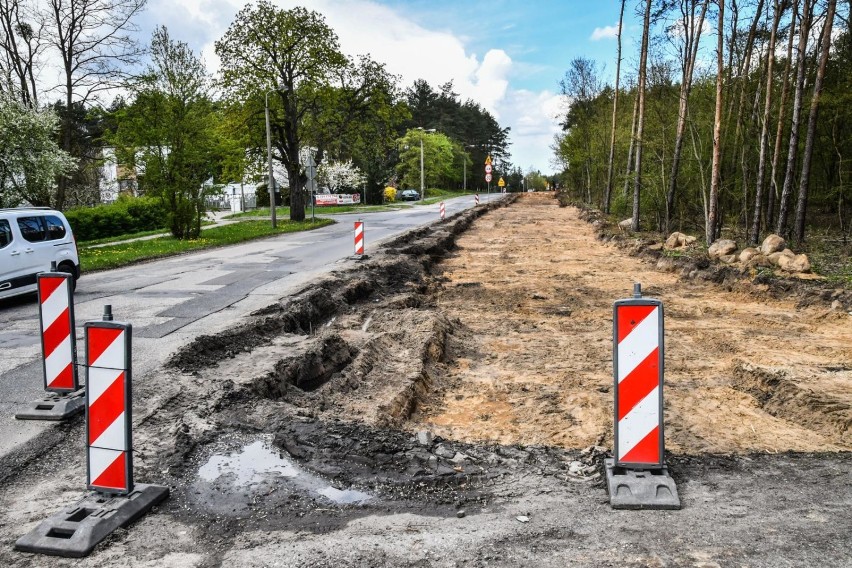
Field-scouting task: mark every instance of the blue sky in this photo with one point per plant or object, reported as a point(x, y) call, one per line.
point(508, 55)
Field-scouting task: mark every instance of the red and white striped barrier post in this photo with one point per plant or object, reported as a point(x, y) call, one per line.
point(108, 405)
point(443, 211)
point(638, 375)
point(359, 237)
point(64, 398)
point(476, 199)
point(58, 338)
point(638, 477)
point(114, 499)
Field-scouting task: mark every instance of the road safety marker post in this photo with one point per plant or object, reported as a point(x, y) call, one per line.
point(443, 211)
point(64, 398)
point(637, 478)
point(476, 199)
point(359, 241)
point(114, 499)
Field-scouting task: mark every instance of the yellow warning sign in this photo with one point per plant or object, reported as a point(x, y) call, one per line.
point(488, 161)
point(501, 183)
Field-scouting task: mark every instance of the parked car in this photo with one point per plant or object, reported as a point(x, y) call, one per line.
point(409, 195)
point(30, 239)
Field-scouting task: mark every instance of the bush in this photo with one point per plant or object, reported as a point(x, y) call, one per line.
point(125, 216)
point(390, 194)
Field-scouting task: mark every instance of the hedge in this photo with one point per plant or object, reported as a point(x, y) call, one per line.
point(125, 216)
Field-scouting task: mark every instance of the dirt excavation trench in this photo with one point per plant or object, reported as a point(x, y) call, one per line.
point(448, 402)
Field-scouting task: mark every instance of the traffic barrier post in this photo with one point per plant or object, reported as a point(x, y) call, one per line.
point(359, 241)
point(476, 199)
point(443, 211)
point(637, 477)
point(109, 444)
point(114, 499)
point(64, 398)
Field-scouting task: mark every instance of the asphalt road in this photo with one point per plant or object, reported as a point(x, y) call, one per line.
point(170, 302)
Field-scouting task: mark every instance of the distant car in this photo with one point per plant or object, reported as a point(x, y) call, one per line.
point(30, 239)
point(409, 195)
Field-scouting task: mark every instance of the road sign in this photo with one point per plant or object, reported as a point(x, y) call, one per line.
point(488, 161)
point(488, 178)
point(488, 168)
point(501, 183)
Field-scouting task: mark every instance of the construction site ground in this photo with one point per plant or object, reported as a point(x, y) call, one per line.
point(448, 402)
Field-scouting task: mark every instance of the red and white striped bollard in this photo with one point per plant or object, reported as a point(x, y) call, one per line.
point(359, 237)
point(58, 337)
point(476, 199)
point(443, 211)
point(108, 405)
point(638, 376)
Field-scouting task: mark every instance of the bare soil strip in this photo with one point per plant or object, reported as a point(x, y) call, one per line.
point(533, 288)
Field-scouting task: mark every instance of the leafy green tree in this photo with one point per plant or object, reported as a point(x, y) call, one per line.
point(30, 158)
point(317, 97)
point(438, 158)
point(168, 132)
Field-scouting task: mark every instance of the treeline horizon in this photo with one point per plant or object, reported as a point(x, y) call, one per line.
point(756, 145)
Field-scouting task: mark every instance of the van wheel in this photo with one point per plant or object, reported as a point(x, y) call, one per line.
point(68, 269)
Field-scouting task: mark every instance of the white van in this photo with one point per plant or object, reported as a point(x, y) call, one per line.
point(30, 239)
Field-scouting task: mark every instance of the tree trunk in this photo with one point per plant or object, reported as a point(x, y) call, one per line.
point(632, 145)
point(643, 62)
point(713, 207)
point(754, 236)
point(787, 191)
point(608, 194)
point(692, 35)
point(774, 193)
point(802, 204)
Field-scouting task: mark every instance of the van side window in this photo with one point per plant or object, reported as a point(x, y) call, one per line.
point(5, 233)
point(55, 228)
point(32, 228)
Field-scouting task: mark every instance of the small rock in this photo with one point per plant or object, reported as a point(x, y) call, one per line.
point(460, 513)
point(773, 258)
point(523, 518)
point(626, 225)
point(728, 258)
point(836, 305)
point(432, 462)
point(771, 244)
point(459, 458)
point(757, 261)
point(722, 247)
point(797, 263)
point(424, 438)
point(443, 451)
point(575, 468)
point(656, 246)
point(748, 253)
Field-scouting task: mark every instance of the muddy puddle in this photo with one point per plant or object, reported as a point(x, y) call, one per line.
point(238, 474)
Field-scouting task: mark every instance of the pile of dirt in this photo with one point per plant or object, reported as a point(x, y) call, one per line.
point(694, 264)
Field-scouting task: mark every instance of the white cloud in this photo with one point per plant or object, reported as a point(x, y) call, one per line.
point(606, 32)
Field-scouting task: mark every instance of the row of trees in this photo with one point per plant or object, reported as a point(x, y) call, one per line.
point(178, 131)
point(752, 141)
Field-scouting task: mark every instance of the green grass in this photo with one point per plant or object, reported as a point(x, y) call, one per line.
point(114, 256)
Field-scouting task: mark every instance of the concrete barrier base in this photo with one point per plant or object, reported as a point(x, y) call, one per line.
point(76, 530)
point(55, 406)
point(640, 489)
